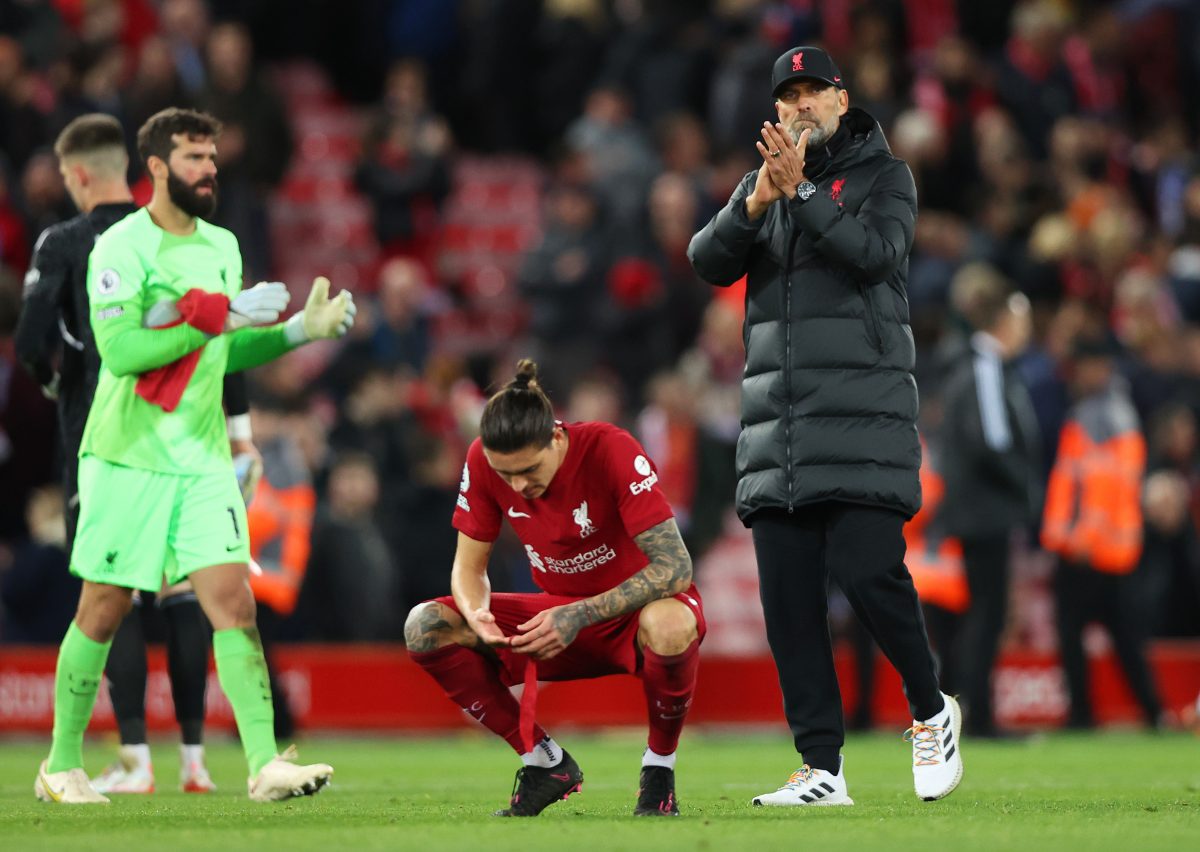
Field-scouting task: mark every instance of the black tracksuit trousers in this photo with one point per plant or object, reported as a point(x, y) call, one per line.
point(985, 560)
point(862, 549)
point(1084, 594)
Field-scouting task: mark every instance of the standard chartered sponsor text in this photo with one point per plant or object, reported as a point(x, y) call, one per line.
point(580, 563)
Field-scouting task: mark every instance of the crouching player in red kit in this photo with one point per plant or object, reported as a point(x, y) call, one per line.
point(617, 590)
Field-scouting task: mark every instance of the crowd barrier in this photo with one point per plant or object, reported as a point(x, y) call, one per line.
point(378, 688)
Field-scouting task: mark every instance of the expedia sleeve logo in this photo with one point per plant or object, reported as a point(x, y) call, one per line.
point(641, 464)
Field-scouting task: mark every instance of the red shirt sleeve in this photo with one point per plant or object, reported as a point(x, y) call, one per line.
point(634, 478)
point(477, 514)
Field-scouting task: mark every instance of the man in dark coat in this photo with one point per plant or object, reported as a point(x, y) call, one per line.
point(828, 455)
point(990, 461)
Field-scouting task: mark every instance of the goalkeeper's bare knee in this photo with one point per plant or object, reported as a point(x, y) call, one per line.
point(225, 596)
point(102, 607)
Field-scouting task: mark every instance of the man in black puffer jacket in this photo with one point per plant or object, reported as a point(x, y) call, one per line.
point(828, 455)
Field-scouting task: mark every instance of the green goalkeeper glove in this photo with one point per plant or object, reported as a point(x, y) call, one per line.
point(322, 317)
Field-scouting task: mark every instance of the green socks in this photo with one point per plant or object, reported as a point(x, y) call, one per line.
point(242, 670)
point(76, 682)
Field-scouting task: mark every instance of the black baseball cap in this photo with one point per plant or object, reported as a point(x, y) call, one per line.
point(805, 61)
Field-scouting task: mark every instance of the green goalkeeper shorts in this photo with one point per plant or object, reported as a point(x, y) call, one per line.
point(137, 527)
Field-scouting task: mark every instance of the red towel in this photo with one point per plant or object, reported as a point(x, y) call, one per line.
point(529, 706)
point(164, 386)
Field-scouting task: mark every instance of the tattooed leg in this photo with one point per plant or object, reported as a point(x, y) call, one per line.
point(431, 626)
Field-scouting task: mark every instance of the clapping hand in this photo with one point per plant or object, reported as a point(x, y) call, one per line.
point(782, 160)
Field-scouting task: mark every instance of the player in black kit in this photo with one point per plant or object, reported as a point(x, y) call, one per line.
point(54, 342)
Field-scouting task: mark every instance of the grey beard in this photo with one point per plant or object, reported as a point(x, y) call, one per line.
point(818, 137)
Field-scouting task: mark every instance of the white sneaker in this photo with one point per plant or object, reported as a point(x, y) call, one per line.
point(283, 779)
point(66, 788)
point(809, 786)
point(129, 773)
point(937, 756)
point(193, 774)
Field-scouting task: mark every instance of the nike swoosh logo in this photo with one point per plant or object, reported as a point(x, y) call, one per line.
point(512, 513)
point(563, 777)
point(231, 548)
point(56, 795)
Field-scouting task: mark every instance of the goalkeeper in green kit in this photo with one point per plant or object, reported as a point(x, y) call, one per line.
point(158, 495)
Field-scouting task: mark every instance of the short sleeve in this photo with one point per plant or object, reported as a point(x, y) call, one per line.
point(477, 514)
point(640, 499)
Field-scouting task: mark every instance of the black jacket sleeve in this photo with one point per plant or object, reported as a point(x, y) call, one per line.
point(1003, 459)
point(237, 400)
point(874, 243)
point(37, 338)
point(720, 249)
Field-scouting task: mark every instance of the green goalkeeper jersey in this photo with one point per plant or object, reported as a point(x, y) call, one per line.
point(134, 265)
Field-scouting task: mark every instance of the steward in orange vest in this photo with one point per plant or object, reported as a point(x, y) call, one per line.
point(1093, 521)
point(1093, 511)
point(280, 520)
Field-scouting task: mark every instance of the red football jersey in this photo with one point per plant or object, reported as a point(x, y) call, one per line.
point(579, 533)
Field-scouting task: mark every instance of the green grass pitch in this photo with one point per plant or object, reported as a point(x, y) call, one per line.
point(1118, 791)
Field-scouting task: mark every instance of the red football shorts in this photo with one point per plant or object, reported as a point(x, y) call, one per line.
point(609, 647)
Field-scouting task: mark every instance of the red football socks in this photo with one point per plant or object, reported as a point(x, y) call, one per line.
point(473, 683)
point(669, 683)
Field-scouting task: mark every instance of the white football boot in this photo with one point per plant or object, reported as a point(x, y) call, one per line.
point(131, 772)
point(66, 788)
point(193, 774)
point(282, 779)
point(808, 786)
point(937, 756)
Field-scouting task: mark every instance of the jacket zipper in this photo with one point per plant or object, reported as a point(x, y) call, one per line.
point(872, 321)
point(787, 369)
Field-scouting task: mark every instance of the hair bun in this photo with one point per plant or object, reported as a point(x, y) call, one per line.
point(526, 376)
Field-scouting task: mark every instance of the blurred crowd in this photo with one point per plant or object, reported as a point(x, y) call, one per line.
point(1054, 145)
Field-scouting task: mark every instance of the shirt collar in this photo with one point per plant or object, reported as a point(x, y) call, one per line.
point(983, 342)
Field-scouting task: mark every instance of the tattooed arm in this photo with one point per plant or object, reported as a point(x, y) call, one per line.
point(669, 573)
